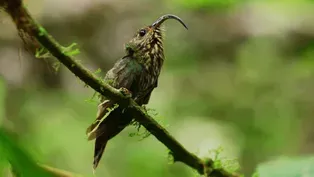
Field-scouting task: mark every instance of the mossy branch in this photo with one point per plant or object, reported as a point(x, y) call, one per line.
point(23, 21)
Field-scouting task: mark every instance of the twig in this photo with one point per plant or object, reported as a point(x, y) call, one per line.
point(58, 172)
point(54, 172)
point(24, 21)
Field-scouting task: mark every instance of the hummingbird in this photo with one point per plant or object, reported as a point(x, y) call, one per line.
point(137, 72)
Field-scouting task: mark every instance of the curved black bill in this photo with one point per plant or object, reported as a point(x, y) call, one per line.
point(166, 17)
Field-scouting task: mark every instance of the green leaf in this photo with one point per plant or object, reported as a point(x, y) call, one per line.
point(21, 162)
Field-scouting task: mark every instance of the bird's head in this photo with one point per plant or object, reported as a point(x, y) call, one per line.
point(147, 43)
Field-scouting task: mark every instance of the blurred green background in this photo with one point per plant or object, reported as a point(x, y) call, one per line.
point(241, 78)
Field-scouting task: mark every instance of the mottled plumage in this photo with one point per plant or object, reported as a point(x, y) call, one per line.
point(138, 72)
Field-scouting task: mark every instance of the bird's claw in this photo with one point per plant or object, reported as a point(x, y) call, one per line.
point(125, 92)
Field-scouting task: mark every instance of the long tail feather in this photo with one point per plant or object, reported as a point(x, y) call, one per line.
point(112, 125)
point(100, 145)
point(91, 131)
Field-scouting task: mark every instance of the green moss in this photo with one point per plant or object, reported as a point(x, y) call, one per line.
point(97, 71)
point(230, 165)
point(70, 51)
point(56, 66)
point(42, 53)
point(42, 31)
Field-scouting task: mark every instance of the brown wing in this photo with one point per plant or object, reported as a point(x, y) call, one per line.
point(123, 74)
point(102, 110)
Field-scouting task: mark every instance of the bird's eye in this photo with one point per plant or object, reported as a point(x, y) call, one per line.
point(142, 32)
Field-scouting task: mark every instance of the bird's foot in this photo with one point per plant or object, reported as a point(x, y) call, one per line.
point(125, 92)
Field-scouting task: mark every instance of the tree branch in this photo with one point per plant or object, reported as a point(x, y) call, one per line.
point(24, 22)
